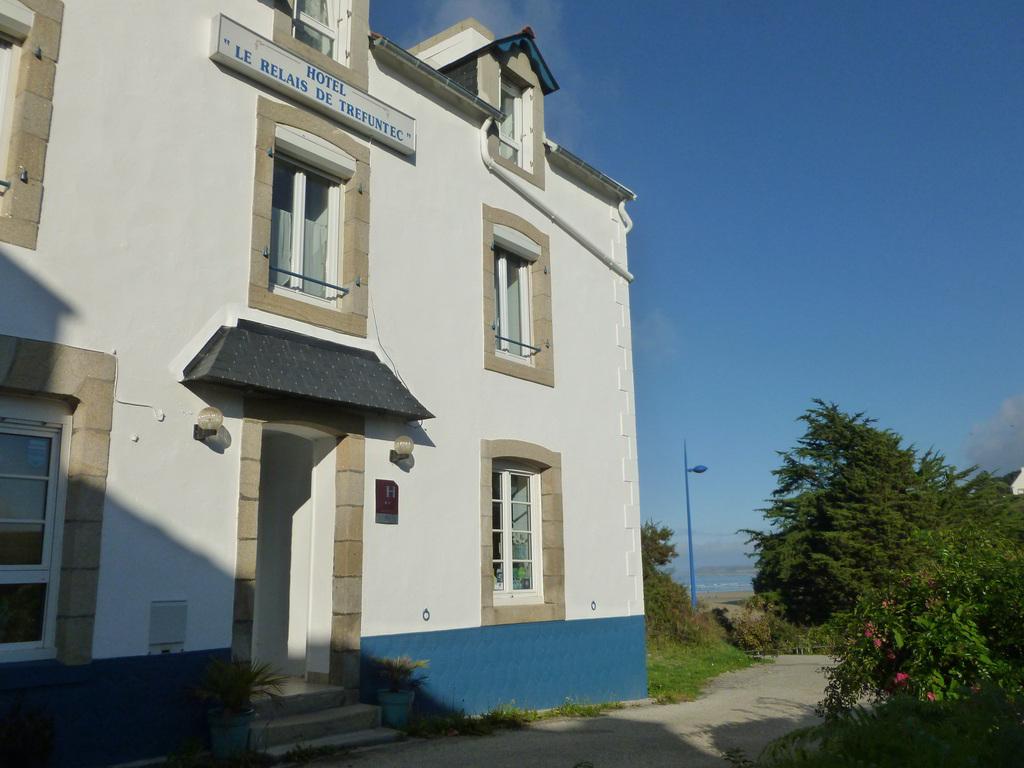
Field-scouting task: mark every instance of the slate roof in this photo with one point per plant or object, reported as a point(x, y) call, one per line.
point(522, 41)
point(261, 358)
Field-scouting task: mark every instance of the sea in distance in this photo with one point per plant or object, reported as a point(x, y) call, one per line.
point(727, 578)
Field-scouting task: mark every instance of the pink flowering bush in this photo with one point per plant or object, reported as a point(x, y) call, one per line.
point(952, 623)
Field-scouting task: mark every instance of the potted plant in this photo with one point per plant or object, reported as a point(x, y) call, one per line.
point(396, 700)
point(231, 685)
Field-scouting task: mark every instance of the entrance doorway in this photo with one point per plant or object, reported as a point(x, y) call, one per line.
point(294, 551)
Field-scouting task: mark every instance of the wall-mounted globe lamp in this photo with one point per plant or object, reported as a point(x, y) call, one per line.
point(208, 422)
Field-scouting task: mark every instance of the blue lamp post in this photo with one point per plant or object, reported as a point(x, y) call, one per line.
point(700, 468)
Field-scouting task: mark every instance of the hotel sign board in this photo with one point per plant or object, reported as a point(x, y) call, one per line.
point(387, 502)
point(242, 50)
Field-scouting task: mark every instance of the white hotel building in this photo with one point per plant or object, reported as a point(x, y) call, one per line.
point(245, 245)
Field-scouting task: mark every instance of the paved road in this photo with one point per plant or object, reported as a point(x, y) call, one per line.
point(744, 710)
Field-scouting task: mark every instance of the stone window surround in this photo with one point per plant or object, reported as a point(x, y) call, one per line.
point(540, 368)
point(22, 204)
point(548, 465)
point(83, 379)
point(490, 70)
point(351, 312)
point(359, 49)
point(347, 570)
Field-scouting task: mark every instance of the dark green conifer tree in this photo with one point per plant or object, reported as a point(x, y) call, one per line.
point(849, 501)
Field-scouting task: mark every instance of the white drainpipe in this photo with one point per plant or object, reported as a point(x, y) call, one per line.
point(627, 223)
point(529, 194)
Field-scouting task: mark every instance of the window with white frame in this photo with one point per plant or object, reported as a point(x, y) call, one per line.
point(512, 128)
point(515, 531)
point(512, 304)
point(304, 229)
point(323, 25)
point(30, 519)
point(10, 53)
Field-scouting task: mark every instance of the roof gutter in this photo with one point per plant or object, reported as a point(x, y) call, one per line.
point(419, 69)
point(543, 207)
point(624, 194)
point(582, 166)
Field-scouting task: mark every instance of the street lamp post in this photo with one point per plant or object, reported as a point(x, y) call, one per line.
point(689, 528)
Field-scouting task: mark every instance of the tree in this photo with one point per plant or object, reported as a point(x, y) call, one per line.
point(849, 499)
point(666, 603)
point(656, 548)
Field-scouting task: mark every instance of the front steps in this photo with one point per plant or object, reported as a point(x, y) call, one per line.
point(314, 716)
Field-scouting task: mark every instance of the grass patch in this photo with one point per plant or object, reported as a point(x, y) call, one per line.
point(678, 672)
point(505, 716)
point(575, 709)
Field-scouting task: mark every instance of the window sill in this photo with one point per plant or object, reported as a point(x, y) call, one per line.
point(516, 368)
point(513, 358)
point(292, 304)
point(532, 175)
point(16, 655)
point(298, 295)
point(506, 600)
point(521, 614)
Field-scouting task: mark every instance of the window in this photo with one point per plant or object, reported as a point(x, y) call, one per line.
point(510, 130)
point(29, 49)
point(512, 304)
point(9, 55)
point(304, 230)
point(322, 24)
point(515, 525)
point(30, 460)
point(309, 253)
point(516, 292)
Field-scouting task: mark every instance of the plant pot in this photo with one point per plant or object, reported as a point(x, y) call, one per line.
point(229, 735)
point(395, 707)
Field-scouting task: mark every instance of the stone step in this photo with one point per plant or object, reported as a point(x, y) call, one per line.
point(306, 726)
point(326, 697)
point(353, 740)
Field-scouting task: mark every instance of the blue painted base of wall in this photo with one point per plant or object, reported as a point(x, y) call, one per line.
point(119, 710)
point(113, 710)
point(536, 666)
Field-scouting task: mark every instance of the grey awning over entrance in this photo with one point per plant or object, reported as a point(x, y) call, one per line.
point(261, 358)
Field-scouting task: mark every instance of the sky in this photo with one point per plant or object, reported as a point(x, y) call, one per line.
point(831, 205)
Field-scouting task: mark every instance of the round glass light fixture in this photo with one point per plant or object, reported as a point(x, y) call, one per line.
point(402, 448)
point(210, 418)
point(208, 423)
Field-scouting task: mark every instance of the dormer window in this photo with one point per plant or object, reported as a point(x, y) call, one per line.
point(322, 24)
point(510, 131)
point(517, 146)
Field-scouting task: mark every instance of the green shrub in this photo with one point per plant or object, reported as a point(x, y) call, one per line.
point(759, 628)
point(953, 622)
point(982, 729)
point(670, 616)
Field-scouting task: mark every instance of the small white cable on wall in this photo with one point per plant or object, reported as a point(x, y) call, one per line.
point(158, 413)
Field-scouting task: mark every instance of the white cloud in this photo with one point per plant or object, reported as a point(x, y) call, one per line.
point(502, 18)
point(998, 444)
point(566, 118)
